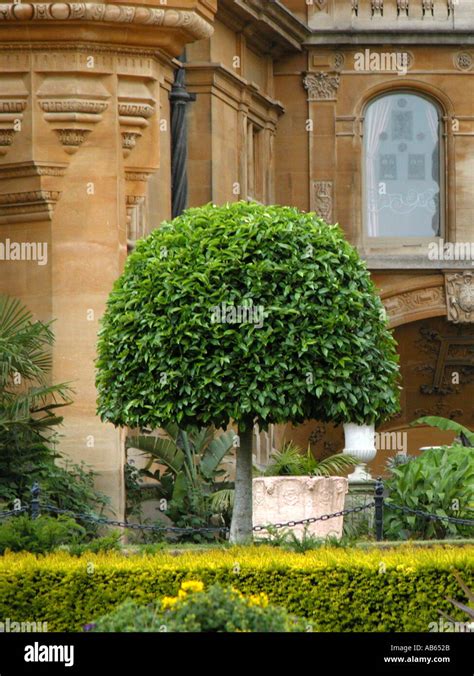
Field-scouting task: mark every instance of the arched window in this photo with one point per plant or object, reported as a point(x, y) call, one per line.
point(402, 169)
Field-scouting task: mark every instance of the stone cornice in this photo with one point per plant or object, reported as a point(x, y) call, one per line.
point(56, 19)
point(203, 76)
point(407, 37)
point(268, 25)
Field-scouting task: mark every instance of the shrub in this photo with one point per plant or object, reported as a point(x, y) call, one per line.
point(333, 589)
point(439, 481)
point(218, 609)
point(22, 533)
point(29, 418)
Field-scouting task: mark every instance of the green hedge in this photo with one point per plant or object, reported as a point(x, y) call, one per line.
point(335, 589)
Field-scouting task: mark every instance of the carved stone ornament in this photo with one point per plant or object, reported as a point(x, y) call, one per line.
point(33, 205)
point(133, 120)
point(463, 61)
point(321, 86)
point(72, 119)
point(322, 199)
point(409, 306)
point(23, 12)
point(135, 107)
point(460, 297)
point(11, 116)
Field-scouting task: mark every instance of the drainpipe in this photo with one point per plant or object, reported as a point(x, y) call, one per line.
point(179, 99)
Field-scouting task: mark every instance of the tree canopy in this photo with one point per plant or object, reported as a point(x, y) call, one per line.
point(248, 313)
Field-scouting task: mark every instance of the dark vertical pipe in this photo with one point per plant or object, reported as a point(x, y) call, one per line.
point(179, 99)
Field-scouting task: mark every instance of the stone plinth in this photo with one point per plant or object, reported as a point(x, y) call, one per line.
point(290, 498)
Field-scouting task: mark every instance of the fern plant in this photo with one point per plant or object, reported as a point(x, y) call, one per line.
point(291, 461)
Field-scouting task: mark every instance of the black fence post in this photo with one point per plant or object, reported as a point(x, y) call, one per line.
point(378, 498)
point(35, 500)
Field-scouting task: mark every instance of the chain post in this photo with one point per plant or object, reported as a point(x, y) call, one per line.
point(35, 500)
point(378, 499)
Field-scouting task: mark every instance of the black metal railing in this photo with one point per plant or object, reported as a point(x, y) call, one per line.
point(379, 503)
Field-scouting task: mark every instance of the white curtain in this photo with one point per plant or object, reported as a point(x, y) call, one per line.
point(375, 123)
point(433, 122)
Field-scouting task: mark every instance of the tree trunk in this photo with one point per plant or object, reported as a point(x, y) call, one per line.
point(241, 525)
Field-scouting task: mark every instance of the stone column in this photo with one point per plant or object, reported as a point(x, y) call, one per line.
point(79, 136)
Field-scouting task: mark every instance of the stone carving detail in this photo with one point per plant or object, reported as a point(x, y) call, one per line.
point(322, 199)
point(11, 115)
point(463, 61)
point(72, 119)
point(448, 353)
point(355, 7)
point(414, 302)
point(428, 7)
point(460, 297)
point(33, 205)
point(339, 61)
point(135, 106)
point(29, 169)
point(107, 13)
point(321, 4)
point(291, 498)
point(321, 86)
point(402, 7)
point(377, 7)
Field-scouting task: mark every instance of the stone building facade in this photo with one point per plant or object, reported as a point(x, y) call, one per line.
point(361, 110)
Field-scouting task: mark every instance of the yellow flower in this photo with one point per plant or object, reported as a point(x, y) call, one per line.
point(182, 594)
point(168, 601)
point(193, 586)
point(259, 600)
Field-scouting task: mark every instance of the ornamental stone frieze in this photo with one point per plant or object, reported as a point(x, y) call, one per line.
point(321, 86)
point(414, 304)
point(179, 25)
point(460, 297)
point(25, 207)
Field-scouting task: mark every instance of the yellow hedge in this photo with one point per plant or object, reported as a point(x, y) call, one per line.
point(336, 589)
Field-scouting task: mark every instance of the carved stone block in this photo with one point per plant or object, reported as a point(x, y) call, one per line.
point(460, 297)
point(280, 499)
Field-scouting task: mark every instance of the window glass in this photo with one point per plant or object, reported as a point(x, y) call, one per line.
point(402, 167)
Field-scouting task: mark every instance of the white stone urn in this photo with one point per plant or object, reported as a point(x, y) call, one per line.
point(278, 499)
point(360, 442)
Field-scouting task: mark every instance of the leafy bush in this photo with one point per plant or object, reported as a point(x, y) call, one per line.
point(218, 609)
point(29, 418)
point(106, 543)
point(193, 474)
point(291, 461)
point(344, 589)
point(22, 533)
point(439, 481)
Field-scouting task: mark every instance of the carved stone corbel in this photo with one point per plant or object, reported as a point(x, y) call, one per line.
point(11, 116)
point(72, 119)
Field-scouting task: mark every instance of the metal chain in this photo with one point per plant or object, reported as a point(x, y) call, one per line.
point(427, 515)
point(201, 529)
point(313, 519)
point(135, 526)
point(13, 512)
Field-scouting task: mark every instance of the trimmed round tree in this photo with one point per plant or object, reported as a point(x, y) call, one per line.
point(247, 314)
